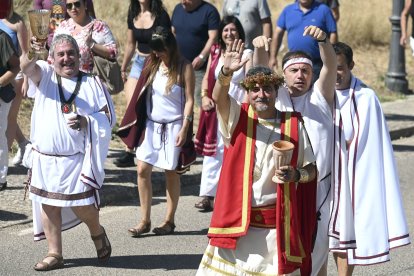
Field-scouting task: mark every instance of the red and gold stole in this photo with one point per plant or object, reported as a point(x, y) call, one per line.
point(231, 215)
point(295, 210)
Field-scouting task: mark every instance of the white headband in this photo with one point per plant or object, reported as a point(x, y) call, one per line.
point(296, 61)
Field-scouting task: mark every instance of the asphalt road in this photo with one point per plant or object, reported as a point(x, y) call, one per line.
point(178, 254)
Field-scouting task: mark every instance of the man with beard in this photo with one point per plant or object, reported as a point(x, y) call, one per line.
point(253, 228)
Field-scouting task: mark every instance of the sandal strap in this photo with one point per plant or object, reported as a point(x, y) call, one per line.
point(106, 245)
point(57, 256)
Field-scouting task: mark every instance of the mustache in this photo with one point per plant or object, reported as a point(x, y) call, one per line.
point(261, 100)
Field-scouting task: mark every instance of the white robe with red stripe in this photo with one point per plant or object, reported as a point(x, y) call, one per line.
point(67, 161)
point(367, 214)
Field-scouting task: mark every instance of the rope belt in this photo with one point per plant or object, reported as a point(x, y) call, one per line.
point(55, 155)
point(60, 196)
point(263, 217)
point(161, 130)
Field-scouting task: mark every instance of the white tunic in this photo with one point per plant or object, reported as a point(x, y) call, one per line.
point(367, 218)
point(165, 119)
point(256, 252)
point(66, 161)
point(318, 120)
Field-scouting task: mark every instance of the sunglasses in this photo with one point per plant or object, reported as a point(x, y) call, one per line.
point(70, 6)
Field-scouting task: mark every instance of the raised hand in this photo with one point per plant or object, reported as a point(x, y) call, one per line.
point(315, 32)
point(232, 57)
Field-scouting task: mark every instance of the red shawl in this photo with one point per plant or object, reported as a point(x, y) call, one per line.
point(231, 218)
point(206, 138)
point(132, 127)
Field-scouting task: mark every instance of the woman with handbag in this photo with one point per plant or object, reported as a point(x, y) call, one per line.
point(208, 141)
point(143, 17)
point(92, 35)
point(163, 108)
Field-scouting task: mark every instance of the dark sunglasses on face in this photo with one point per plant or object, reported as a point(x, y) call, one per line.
point(70, 6)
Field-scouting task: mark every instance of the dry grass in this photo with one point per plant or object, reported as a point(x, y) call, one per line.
point(365, 26)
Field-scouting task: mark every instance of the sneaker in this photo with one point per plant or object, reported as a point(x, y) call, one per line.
point(3, 186)
point(125, 160)
point(17, 159)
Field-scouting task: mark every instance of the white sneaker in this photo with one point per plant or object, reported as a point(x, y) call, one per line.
point(17, 159)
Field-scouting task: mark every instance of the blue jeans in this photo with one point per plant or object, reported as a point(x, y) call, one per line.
point(137, 65)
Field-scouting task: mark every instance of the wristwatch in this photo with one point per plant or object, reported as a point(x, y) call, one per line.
point(323, 40)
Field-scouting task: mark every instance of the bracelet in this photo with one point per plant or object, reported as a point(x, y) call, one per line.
point(188, 118)
point(93, 45)
point(204, 93)
point(322, 40)
point(224, 79)
point(304, 176)
point(201, 57)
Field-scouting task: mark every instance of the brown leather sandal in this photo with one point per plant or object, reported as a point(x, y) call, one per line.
point(206, 204)
point(44, 266)
point(166, 228)
point(142, 228)
point(105, 251)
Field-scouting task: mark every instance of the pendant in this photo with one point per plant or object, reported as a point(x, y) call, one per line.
point(65, 108)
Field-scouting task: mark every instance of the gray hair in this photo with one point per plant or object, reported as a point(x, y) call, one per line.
point(59, 39)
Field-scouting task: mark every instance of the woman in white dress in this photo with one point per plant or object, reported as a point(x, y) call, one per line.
point(169, 109)
point(208, 142)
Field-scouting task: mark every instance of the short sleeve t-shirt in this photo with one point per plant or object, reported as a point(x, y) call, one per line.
point(250, 13)
point(143, 36)
point(191, 28)
point(294, 20)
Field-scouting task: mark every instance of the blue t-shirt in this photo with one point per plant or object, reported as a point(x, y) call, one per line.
point(294, 21)
point(191, 28)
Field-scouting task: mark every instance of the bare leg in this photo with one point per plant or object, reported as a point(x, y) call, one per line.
point(144, 171)
point(20, 138)
point(173, 194)
point(14, 110)
point(344, 269)
point(129, 89)
point(90, 216)
point(52, 224)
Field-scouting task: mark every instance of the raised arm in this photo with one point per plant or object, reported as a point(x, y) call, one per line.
point(261, 50)
point(327, 76)
point(232, 62)
point(30, 68)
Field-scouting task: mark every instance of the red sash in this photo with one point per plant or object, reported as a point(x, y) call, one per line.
point(295, 211)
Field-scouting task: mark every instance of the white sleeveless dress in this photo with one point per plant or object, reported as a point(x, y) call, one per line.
point(164, 121)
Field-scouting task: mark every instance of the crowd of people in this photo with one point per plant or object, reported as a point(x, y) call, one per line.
point(266, 218)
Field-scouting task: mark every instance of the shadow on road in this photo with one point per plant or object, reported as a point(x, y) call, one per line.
point(143, 262)
point(11, 216)
point(403, 148)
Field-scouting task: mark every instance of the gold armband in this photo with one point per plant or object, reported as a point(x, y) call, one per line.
point(304, 176)
point(223, 79)
point(204, 93)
